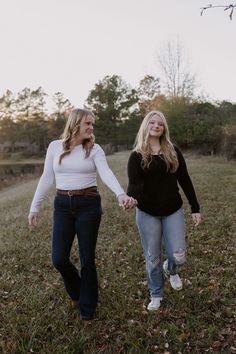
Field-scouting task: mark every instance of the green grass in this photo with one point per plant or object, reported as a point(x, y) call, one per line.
point(37, 316)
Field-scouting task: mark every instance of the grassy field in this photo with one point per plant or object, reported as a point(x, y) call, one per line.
point(12, 172)
point(37, 316)
point(21, 161)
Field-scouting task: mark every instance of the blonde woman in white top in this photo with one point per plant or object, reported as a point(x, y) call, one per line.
point(73, 163)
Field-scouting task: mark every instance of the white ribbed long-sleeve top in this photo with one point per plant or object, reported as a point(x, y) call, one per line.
point(75, 171)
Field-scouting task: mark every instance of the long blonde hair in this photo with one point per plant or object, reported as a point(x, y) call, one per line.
point(142, 144)
point(72, 128)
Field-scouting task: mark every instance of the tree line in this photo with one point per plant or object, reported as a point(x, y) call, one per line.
point(208, 128)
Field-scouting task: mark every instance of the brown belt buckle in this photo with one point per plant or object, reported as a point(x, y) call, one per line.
point(70, 193)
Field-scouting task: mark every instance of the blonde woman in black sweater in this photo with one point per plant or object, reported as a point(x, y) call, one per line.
point(155, 169)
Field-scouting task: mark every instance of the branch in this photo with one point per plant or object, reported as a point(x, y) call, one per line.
point(230, 7)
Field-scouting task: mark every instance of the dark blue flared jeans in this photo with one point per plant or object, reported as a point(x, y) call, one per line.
point(81, 216)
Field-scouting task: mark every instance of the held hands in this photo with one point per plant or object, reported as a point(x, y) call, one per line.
point(126, 202)
point(33, 219)
point(196, 219)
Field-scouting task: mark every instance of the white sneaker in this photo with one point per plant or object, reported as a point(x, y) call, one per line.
point(175, 280)
point(154, 304)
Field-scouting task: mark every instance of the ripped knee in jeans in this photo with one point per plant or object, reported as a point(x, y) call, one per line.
point(180, 256)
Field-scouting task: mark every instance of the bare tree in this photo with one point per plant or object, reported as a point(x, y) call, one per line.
point(178, 80)
point(229, 8)
point(149, 88)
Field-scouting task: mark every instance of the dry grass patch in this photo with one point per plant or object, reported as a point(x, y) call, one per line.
point(37, 316)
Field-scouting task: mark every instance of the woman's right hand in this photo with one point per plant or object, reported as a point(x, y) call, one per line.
point(33, 219)
point(126, 202)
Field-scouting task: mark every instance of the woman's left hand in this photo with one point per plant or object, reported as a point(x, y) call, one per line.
point(197, 219)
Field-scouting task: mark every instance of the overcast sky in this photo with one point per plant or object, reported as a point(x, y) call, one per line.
point(69, 45)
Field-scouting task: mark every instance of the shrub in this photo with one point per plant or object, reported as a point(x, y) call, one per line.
point(229, 142)
point(109, 149)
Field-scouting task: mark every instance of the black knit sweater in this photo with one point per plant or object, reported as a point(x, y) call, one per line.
point(155, 189)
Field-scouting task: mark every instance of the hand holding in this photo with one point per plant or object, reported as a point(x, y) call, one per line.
point(196, 219)
point(131, 203)
point(126, 202)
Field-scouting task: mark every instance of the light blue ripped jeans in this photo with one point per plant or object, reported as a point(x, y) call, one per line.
point(152, 230)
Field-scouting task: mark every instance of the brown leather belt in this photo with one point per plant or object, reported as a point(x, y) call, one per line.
point(86, 192)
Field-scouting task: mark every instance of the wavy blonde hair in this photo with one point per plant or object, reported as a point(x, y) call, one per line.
point(72, 128)
point(142, 145)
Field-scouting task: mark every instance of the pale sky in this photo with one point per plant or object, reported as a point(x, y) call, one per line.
point(69, 45)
